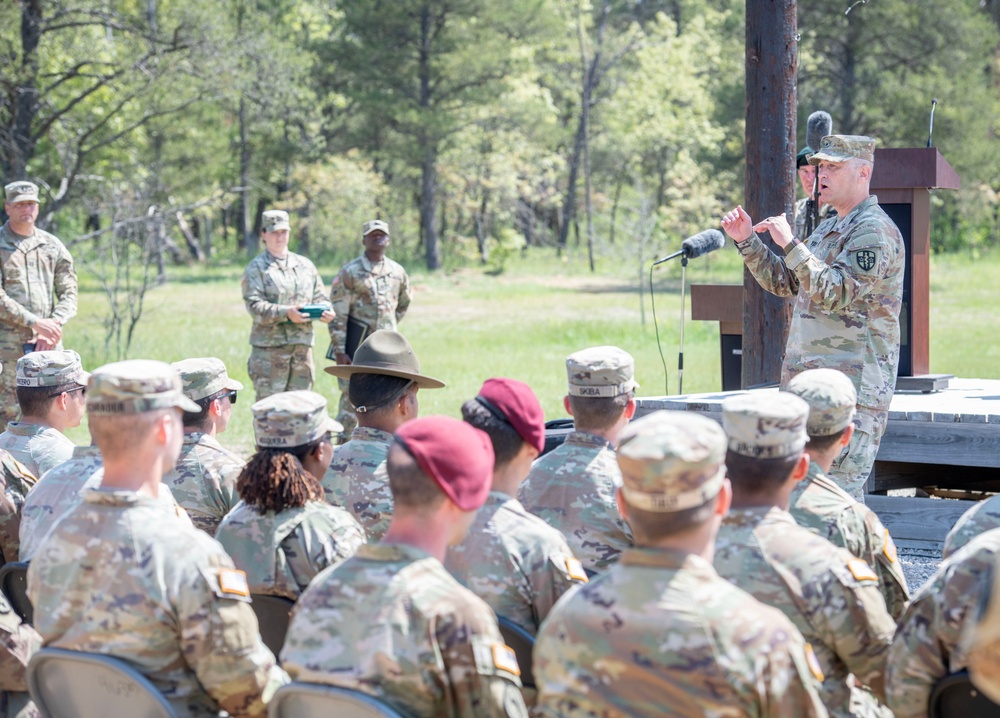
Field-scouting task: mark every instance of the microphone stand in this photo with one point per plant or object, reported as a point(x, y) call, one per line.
point(680, 354)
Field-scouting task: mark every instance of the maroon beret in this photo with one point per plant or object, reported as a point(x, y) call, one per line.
point(458, 456)
point(513, 402)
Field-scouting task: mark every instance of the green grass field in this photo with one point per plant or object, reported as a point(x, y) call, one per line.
point(469, 325)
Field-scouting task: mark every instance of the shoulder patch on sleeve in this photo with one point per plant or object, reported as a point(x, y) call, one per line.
point(814, 666)
point(505, 659)
point(233, 582)
point(890, 548)
point(575, 570)
point(866, 260)
point(861, 570)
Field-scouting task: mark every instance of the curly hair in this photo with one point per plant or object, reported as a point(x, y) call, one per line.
point(274, 479)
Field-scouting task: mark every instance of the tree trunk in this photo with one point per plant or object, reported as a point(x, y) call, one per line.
point(614, 210)
point(428, 169)
point(481, 228)
point(769, 185)
point(20, 145)
point(243, 220)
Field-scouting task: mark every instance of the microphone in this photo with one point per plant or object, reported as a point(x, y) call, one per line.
point(697, 245)
point(818, 126)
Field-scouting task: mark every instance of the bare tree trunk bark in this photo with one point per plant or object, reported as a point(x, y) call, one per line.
point(428, 170)
point(19, 145)
point(769, 186)
point(243, 220)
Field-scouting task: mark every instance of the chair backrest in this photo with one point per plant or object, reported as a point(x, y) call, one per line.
point(69, 684)
point(954, 696)
point(14, 584)
point(273, 613)
point(312, 700)
point(522, 643)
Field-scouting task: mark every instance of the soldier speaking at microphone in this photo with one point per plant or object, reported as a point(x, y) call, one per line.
point(846, 279)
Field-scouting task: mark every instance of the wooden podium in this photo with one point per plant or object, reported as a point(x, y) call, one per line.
point(902, 180)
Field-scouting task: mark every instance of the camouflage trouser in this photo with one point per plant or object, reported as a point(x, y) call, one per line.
point(851, 469)
point(345, 413)
point(12, 340)
point(276, 369)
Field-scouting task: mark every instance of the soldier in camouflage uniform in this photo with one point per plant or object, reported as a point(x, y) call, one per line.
point(372, 289)
point(511, 559)
point(823, 507)
point(119, 575)
point(51, 392)
point(661, 633)
point(282, 533)
point(807, 178)
point(276, 285)
point(383, 383)
point(831, 596)
point(847, 284)
point(391, 621)
point(940, 627)
point(982, 517)
point(982, 646)
point(38, 295)
point(573, 487)
point(17, 482)
point(18, 641)
point(204, 480)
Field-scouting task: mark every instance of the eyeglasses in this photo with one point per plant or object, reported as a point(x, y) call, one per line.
point(81, 389)
point(232, 396)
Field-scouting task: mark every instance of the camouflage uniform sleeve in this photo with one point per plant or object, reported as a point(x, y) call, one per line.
point(791, 682)
point(403, 302)
point(551, 577)
point(855, 622)
point(341, 293)
point(310, 549)
point(11, 312)
point(319, 291)
point(767, 267)
point(885, 561)
point(17, 481)
point(482, 671)
point(927, 645)
point(220, 639)
point(841, 284)
point(17, 642)
point(64, 285)
point(255, 297)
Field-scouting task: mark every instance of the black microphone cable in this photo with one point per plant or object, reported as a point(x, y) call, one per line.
point(656, 326)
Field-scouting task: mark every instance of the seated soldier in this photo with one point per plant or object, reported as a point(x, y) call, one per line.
point(511, 559)
point(982, 517)
point(282, 533)
point(983, 643)
point(831, 596)
point(204, 480)
point(18, 641)
point(573, 487)
point(661, 633)
point(391, 621)
point(384, 380)
point(122, 576)
point(941, 631)
point(824, 508)
point(51, 389)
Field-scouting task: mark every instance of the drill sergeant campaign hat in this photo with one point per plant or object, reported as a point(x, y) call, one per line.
point(601, 372)
point(22, 191)
point(831, 398)
point(136, 386)
point(274, 220)
point(290, 419)
point(388, 353)
point(841, 148)
point(374, 225)
point(204, 376)
point(51, 368)
point(671, 461)
point(764, 425)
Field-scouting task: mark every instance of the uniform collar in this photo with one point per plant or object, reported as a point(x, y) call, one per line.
point(369, 433)
point(117, 497)
point(583, 438)
point(391, 553)
point(841, 226)
point(649, 557)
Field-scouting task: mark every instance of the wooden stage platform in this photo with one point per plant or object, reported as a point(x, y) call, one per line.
point(946, 443)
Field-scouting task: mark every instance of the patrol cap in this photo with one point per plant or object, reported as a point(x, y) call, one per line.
point(458, 456)
point(51, 368)
point(841, 148)
point(671, 461)
point(802, 158)
point(274, 220)
point(204, 377)
point(136, 386)
point(600, 372)
point(765, 425)
point(374, 225)
point(831, 398)
point(514, 403)
point(290, 419)
point(22, 191)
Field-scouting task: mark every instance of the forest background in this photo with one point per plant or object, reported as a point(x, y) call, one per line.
point(522, 135)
